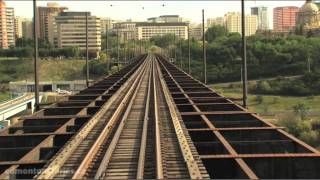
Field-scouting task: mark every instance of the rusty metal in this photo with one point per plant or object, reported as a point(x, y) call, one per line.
point(50, 128)
point(220, 135)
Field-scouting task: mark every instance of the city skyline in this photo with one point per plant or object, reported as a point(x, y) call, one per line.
point(140, 11)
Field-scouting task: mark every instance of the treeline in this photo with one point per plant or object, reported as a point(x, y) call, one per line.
point(308, 84)
point(24, 49)
point(267, 56)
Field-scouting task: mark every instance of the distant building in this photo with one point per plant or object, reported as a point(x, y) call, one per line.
point(125, 30)
point(18, 27)
point(27, 28)
point(3, 25)
point(284, 18)
point(166, 19)
point(263, 17)
point(308, 16)
point(196, 31)
point(71, 31)
point(233, 23)
point(46, 17)
point(146, 30)
point(7, 36)
point(218, 21)
point(10, 26)
point(106, 24)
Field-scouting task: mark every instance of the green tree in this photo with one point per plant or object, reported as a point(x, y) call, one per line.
point(214, 32)
point(301, 110)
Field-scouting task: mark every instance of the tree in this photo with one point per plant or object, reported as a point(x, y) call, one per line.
point(301, 110)
point(214, 32)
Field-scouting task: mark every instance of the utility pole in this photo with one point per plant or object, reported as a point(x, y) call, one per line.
point(180, 54)
point(107, 46)
point(87, 52)
point(118, 50)
point(174, 48)
point(35, 37)
point(204, 51)
point(189, 51)
point(244, 56)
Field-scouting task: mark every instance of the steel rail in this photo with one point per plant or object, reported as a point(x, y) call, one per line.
point(249, 172)
point(159, 165)
point(193, 168)
point(106, 159)
point(80, 172)
point(142, 153)
point(56, 163)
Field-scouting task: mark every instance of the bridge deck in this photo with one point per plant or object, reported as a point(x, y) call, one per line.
point(151, 120)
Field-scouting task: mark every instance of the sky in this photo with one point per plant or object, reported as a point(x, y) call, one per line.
point(141, 10)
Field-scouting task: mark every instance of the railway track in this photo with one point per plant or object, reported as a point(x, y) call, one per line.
point(151, 121)
point(134, 139)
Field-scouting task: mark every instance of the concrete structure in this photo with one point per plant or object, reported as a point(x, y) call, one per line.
point(15, 106)
point(196, 31)
point(7, 33)
point(46, 20)
point(20, 87)
point(308, 16)
point(18, 27)
point(233, 23)
point(218, 21)
point(3, 26)
point(10, 27)
point(263, 17)
point(166, 19)
point(146, 30)
point(106, 23)
point(126, 30)
point(71, 31)
point(27, 28)
point(284, 18)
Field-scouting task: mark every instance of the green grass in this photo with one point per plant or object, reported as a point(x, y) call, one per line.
point(270, 103)
point(4, 96)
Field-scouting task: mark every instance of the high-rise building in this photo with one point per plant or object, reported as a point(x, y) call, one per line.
point(18, 27)
point(218, 21)
point(71, 31)
point(3, 25)
point(263, 17)
point(284, 18)
point(27, 28)
point(10, 27)
point(146, 30)
point(106, 24)
point(233, 23)
point(46, 20)
point(125, 30)
point(7, 33)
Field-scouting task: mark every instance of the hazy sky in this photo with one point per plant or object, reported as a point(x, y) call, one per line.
point(141, 10)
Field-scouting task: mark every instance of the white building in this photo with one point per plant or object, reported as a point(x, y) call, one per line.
point(146, 30)
point(263, 18)
point(233, 23)
point(218, 21)
point(10, 27)
point(18, 27)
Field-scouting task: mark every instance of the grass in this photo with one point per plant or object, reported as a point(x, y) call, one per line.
point(4, 96)
point(49, 70)
point(270, 103)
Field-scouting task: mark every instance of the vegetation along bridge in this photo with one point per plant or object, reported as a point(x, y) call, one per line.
point(151, 120)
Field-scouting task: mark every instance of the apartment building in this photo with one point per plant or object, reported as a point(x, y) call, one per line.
point(146, 30)
point(71, 30)
point(284, 18)
point(263, 18)
point(218, 21)
point(233, 23)
point(46, 18)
